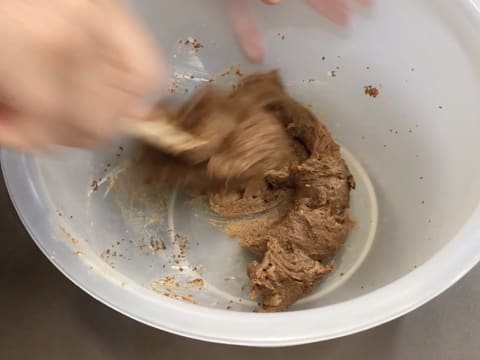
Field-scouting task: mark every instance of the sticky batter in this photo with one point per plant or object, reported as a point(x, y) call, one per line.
point(267, 150)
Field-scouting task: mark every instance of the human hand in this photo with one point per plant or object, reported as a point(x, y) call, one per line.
point(250, 37)
point(70, 70)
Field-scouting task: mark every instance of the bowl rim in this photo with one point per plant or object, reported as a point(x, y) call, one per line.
point(449, 264)
point(391, 301)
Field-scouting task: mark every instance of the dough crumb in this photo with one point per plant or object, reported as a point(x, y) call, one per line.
point(371, 91)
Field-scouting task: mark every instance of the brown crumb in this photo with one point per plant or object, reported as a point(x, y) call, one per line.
point(94, 185)
point(197, 45)
point(174, 84)
point(156, 245)
point(199, 283)
point(226, 72)
point(371, 91)
point(194, 43)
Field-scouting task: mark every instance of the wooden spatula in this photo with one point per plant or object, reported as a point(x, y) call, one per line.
point(163, 134)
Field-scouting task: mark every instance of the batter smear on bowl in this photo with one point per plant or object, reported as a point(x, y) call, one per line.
point(267, 151)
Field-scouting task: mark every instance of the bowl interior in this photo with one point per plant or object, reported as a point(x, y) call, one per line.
point(412, 149)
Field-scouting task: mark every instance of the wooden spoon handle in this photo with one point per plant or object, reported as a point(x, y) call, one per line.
point(161, 133)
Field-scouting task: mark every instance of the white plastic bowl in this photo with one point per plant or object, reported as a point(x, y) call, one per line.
point(417, 141)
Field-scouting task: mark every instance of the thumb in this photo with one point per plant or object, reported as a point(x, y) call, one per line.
point(242, 19)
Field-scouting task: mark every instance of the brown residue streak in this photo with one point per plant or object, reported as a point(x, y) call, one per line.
point(68, 236)
point(168, 280)
point(164, 286)
point(371, 91)
point(185, 298)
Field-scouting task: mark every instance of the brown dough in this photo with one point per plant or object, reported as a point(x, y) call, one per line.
point(265, 150)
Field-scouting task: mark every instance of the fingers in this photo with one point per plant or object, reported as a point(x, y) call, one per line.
point(11, 137)
point(335, 10)
point(366, 2)
point(97, 108)
point(78, 77)
point(243, 22)
point(126, 69)
point(250, 38)
point(131, 50)
point(16, 132)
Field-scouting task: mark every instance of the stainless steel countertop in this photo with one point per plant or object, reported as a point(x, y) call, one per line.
point(44, 316)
